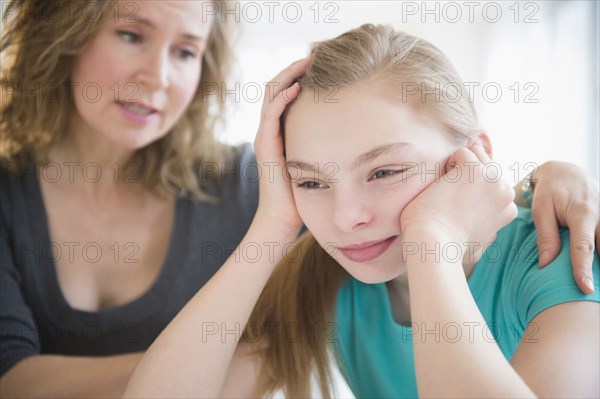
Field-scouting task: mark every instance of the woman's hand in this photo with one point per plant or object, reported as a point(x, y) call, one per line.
point(466, 206)
point(276, 201)
point(566, 196)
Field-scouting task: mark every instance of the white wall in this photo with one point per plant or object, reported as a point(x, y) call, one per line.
point(546, 52)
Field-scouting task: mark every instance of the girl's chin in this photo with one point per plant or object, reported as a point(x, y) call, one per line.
point(374, 274)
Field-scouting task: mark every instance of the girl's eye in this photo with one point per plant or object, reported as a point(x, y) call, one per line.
point(385, 173)
point(310, 185)
point(130, 37)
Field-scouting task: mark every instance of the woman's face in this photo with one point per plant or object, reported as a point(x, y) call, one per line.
point(355, 165)
point(141, 70)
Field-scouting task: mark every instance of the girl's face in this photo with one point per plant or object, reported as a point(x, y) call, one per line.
point(141, 70)
point(355, 165)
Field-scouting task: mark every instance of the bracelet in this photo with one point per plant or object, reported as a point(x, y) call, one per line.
point(527, 188)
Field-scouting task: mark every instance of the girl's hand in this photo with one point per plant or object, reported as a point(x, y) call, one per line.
point(565, 196)
point(466, 206)
point(276, 202)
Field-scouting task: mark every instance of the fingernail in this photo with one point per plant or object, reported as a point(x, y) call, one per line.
point(544, 257)
point(588, 283)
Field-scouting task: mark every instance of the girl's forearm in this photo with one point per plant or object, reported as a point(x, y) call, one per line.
point(191, 357)
point(466, 365)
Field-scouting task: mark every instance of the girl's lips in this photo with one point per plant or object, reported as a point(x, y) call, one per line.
point(368, 251)
point(137, 117)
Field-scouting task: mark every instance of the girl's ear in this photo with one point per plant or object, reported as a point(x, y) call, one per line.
point(483, 139)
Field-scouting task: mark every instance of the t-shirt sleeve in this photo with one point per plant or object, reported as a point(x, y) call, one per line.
point(541, 289)
point(18, 332)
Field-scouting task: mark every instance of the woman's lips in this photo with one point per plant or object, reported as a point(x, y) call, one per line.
point(141, 114)
point(367, 251)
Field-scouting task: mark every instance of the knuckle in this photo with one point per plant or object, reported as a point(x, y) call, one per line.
point(584, 246)
point(585, 209)
point(545, 238)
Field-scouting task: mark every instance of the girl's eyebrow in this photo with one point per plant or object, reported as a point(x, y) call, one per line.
point(380, 151)
point(360, 160)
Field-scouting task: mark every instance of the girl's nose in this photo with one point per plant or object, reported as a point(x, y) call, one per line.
point(351, 211)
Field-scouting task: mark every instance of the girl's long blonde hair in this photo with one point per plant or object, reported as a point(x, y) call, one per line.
point(40, 43)
point(303, 291)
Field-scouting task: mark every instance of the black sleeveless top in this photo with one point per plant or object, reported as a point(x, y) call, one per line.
point(35, 317)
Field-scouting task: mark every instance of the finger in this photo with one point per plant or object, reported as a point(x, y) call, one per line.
point(273, 112)
point(286, 77)
point(546, 224)
point(460, 158)
point(270, 119)
point(295, 69)
point(480, 153)
point(582, 252)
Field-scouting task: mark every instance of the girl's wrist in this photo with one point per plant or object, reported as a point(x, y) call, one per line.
point(432, 233)
point(432, 244)
point(275, 226)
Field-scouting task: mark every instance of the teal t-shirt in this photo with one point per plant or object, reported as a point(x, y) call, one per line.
point(376, 354)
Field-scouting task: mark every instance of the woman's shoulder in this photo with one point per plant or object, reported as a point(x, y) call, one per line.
point(238, 168)
point(17, 188)
point(245, 154)
point(231, 181)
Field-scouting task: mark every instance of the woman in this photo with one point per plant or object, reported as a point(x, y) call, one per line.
point(117, 202)
point(113, 211)
point(480, 324)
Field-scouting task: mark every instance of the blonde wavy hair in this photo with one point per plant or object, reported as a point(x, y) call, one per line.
point(303, 291)
point(40, 43)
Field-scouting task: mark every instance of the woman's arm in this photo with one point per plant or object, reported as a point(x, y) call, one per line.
point(564, 195)
point(191, 357)
point(27, 373)
point(48, 376)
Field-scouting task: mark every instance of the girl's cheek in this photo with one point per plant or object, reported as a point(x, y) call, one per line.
point(395, 197)
point(310, 211)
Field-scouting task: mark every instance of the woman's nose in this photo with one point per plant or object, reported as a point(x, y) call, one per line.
point(154, 72)
point(352, 211)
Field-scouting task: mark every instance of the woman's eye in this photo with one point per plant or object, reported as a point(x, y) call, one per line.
point(310, 185)
point(186, 54)
point(130, 37)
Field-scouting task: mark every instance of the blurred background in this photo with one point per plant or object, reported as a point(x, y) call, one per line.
point(532, 67)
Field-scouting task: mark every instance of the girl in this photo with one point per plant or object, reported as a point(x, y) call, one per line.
point(396, 193)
